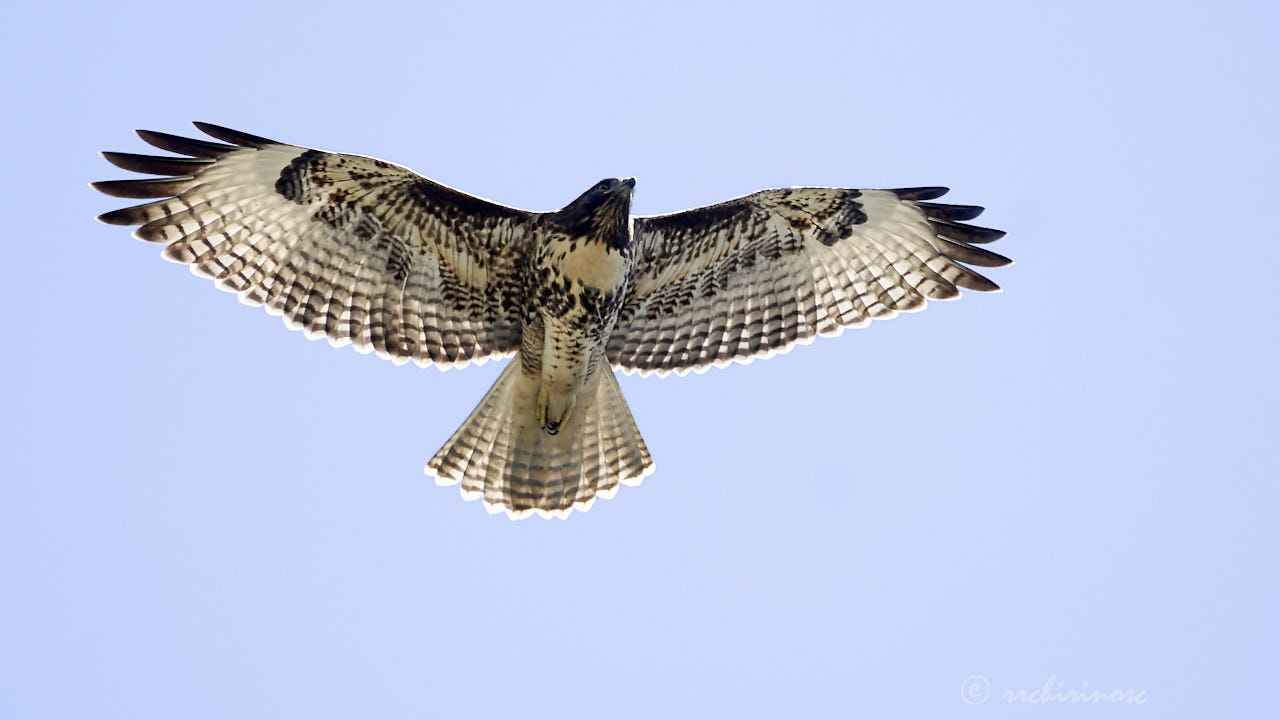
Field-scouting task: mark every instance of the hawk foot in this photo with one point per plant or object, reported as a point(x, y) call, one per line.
point(548, 419)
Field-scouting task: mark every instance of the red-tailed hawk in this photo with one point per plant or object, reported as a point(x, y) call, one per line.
point(370, 254)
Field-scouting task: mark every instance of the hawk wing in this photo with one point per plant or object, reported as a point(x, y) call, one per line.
point(358, 250)
point(755, 275)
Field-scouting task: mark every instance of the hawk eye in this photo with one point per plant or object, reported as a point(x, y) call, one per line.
point(603, 186)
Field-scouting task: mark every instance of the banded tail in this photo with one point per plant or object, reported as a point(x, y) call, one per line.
point(501, 455)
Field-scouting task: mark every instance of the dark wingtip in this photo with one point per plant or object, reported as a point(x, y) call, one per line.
point(117, 217)
point(965, 253)
point(184, 146)
point(154, 164)
point(980, 283)
point(134, 215)
point(971, 234)
point(920, 193)
point(141, 189)
point(233, 136)
point(938, 211)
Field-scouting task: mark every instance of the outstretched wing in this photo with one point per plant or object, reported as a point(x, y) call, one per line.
point(756, 275)
point(359, 250)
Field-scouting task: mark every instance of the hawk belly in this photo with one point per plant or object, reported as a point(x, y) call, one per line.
point(581, 283)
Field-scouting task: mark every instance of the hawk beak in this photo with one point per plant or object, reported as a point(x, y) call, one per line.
point(629, 184)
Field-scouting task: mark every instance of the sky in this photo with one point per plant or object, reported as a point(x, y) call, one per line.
point(982, 510)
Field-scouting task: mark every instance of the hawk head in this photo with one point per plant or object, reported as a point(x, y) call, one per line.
point(602, 213)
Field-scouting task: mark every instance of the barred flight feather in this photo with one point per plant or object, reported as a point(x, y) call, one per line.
point(359, 250)
point(759, 274)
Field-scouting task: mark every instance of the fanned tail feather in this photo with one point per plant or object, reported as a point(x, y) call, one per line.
point(501, 455)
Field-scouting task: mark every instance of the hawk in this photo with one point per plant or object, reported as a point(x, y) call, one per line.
point(370, 254)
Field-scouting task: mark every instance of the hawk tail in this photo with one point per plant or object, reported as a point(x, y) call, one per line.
point(500, 453)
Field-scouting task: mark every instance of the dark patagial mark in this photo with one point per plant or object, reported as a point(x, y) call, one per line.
point(710, 218)
point(446, 203)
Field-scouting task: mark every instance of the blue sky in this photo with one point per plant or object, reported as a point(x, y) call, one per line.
point(203, 515)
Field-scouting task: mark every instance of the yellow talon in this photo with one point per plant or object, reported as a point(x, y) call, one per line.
point(543, 400)
point(544, 411)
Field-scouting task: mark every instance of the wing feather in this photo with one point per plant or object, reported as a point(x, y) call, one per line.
point(184, 146)
point(952, 213)
point(964, 233)
point(155, 164)
point(137, 189)
point(920, 193)
point(756, 275)
point(235, 137)
point(347, 247)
